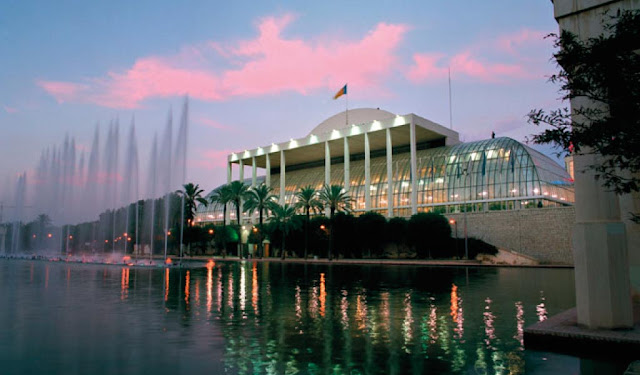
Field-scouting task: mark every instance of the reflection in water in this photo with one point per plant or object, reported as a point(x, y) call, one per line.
point(166, 284)
point(209, 288)
point(46, 277)
point(488, 318)
point(541, 310)
point(254, 288)
point(519, 324)
point(124, 283)
point(243, 287)
point(433, 322)
point(407, 324)
point(186, 288)
point(457, 314)
point(336, 321)
point(323, 295)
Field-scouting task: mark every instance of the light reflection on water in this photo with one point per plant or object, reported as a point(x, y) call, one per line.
point(294, 319)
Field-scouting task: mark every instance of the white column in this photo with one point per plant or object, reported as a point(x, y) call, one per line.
point(267, 179)
point(241, 179)
point(253, 171)
point(347, 168)
point(327, 164)
point(603, 291)
point(228, 214)
point(367, 173)
point(282, 179)
point(414, 185)
point(389, 175)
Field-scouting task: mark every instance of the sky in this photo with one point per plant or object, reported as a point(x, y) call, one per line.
point(258, 72)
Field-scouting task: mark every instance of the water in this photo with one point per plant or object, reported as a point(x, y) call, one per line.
point(246, 318)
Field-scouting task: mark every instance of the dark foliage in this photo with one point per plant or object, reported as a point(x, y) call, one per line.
point(430, 234)
point(602, 77)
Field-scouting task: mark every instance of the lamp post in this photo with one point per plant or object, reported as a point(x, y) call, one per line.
point(466, 242)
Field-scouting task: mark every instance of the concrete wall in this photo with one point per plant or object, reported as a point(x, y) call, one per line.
point(541, 233)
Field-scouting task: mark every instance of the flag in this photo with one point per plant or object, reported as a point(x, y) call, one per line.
point(343, 91)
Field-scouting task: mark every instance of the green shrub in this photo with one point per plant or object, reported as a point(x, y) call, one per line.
point(430, 235)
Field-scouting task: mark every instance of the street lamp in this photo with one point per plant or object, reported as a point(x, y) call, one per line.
point(466, 242)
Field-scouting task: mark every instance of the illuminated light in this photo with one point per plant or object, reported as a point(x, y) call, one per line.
point(372, 188)
point(451, 221)
point(255, 230)
point(322, 227)
point(563, 199)
point(260, 151)
point(210, 231)
point(70, 237)
point(168, 233)
point(439, 180)
point(186, 287)
point(545, 193)
point(473, 156)
point(554, 196)
point(293, 143)
point(484, 193)
point(405, 184)
point(452, 158)
point(210, 216)
point(536, 191)
point(210, 264)
point(166, 284)
point(34, 236)
point(106, 241)
point(454, 196)
point(49, 235)
point(168, 261)
point(128, 238)
point(323, 294)
point(124, 234)
point(243, 227)
point(126, 258)
point(430, 197)
point(335, 134)
point(399, 120)
point(246, 153)
point(254, 288)
point(313, 139)
point(376, 125)
point(541, 310)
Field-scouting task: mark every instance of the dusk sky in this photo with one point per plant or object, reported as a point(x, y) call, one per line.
point(258, 72)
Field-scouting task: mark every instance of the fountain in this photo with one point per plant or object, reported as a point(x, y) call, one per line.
point(70, 190)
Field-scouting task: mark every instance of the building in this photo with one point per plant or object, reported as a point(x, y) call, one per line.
point(429, 168)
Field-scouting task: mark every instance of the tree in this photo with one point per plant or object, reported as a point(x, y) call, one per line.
point(602, 77)
point(238, 192)
point(337, 199)
point(429, 234)
point(284, 221)
point(192, 195)
point(308, 201)
point(370, 229)
point(259, 198)
point(221, 197)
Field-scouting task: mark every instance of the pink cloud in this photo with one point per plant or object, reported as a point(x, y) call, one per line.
point(62, 91)
point(260, 68)
point(10, 109)
point(213, 124)
point(485, 61)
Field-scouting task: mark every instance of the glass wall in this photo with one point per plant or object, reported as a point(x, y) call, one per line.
point(493, 174)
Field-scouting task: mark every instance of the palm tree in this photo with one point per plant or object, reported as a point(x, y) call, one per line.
point(191, 196)
point(259, 198)
point(308, 201)
point(238, 192)
point(337, 199)
point(283, 217)
point(221, 197)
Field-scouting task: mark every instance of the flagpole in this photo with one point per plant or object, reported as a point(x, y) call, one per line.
point(347, 106)
point(450, 113)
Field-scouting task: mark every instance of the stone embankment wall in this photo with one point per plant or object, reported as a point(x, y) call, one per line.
point(541, 233)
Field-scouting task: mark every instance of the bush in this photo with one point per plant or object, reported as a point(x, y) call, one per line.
point(345, 242)
point(396, 231)
point(430, 235)
point(370, 231)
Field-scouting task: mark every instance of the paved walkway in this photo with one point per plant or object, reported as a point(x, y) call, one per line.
point(561, 333)
point(402, 262)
